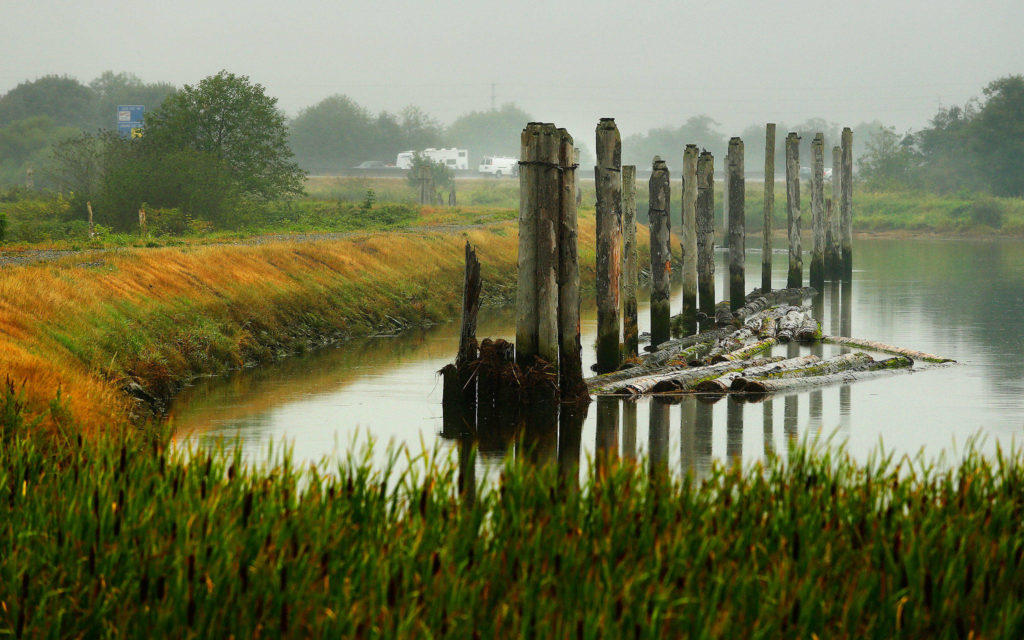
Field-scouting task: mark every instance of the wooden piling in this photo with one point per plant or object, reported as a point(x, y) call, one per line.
point(737, 240)
point(846, 204)
point(451, 195)
point(795, 278)
point(630, 265)
point(526, 290)
point(706, 233)
point(818, 210)
point(143, 227)
point(769, 207)
point(689, 239)
point(833, 256)
point(92, 229)
point(30, 179)
point(576, 162)
point(548, 176)
point(468, 351)
point(570, 355)
point(659, 203)
point(608, 214)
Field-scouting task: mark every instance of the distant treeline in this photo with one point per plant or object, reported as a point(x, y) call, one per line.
point(978, 146)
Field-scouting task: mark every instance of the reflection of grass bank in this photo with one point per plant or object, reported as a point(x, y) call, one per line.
point(138, 542)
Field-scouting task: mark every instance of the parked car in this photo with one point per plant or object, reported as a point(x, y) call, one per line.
point(372, 164)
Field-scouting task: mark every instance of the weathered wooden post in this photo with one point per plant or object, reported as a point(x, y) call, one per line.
point(769, 207)
point(570, 354)
point(706, 233)
point(526, 290)
point(539, 211)
point(30, 178)
point(833, 258)
point(725, 205)
point(737, 240)
point(659, 203)
point(846, 206)
point(608, 214)
point(796, 261)
point(92, 229)
point(689, 240)
point(451, 195)
point(142, 222)
point(630, 266)
point(818, 210)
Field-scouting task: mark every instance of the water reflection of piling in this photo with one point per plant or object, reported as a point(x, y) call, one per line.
point(687, 429)
point(818, 311)
point(791, 405)
point(703, 432)
point(769, 427)
point(629, 428)
point(467, 470)
point(606, 445)
point(734, 429)
point(570, 442)
point(657, 436)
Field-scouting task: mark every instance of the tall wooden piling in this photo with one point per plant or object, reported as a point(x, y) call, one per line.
point(689, 239)
point(608, 213)
point(846, 204)
point(706, 233)
point(547, 175)
point(737, 240)
point(92, 229)
point(818, 210)
point(660, 199)
point(576, 162)
point(795, 277)
point(833, 255)
point(570, 356)
point(769, 207)
point(630, 265)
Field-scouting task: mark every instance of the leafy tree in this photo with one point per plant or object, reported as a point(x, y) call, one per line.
point(333, 134)
point(639, 149)
point(112, 89)
point(24, 143)
point(888, 161)
point(998, 140)
point(227, 119)
point(494, 132)
point(65, 100)
point(419, 130)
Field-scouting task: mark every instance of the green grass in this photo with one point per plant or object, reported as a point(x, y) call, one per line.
point(120, 537)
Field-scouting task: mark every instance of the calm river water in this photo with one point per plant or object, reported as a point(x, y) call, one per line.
point(957, 298)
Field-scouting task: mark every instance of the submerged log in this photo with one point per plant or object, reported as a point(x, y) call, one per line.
point(749, 383)
point(676, 379)
point(873, 369)
point(885, 348)
point(724, 383)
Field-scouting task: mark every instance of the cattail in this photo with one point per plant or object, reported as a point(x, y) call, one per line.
point(144, 587)
point(246, 508)
point(191, 568)
point(123, 463)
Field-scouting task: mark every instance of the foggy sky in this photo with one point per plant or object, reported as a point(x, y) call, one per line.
point(645, 63)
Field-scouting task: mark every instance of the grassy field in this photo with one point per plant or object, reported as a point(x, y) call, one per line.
point(114, 536)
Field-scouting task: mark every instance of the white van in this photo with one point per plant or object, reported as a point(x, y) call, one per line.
point(498, 166)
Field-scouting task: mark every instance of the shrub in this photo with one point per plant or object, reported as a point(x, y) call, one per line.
point(987, 211)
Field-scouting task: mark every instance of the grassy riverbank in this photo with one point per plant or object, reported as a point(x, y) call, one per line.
point(146, 320)
point(117, 537)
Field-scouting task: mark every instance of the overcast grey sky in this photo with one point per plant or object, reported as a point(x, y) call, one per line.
point(646, 63)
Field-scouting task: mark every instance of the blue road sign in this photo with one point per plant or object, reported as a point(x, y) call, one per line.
point(129, 120)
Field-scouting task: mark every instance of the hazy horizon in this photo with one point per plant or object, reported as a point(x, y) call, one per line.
point(900, 63)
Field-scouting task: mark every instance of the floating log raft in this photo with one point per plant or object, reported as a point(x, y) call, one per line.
point(735, 359)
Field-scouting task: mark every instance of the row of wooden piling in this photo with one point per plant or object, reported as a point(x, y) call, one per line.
point(831, 254)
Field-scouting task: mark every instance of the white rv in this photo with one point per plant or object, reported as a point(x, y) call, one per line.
point(498, 166)
point(452, 158)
